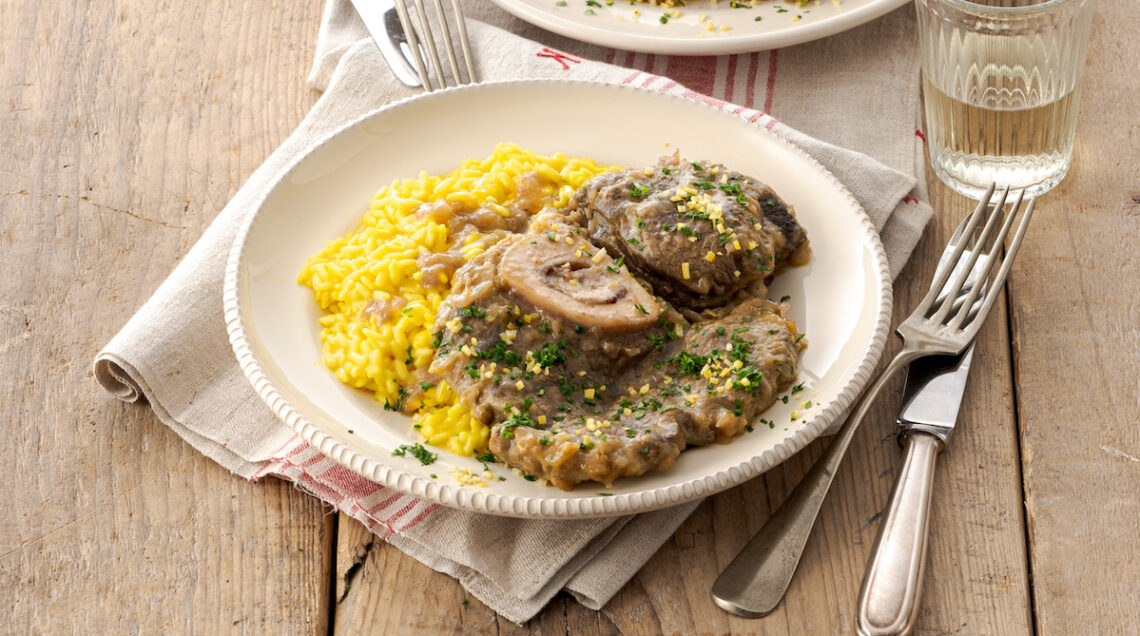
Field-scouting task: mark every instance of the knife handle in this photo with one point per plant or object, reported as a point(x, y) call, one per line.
point(888, 598)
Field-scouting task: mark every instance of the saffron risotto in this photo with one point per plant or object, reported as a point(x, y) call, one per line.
point(379, 262)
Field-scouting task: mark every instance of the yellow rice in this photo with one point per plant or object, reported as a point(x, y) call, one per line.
point(378, 260)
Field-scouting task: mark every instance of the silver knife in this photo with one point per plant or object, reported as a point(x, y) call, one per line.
point(892, 585)
point(383, 23)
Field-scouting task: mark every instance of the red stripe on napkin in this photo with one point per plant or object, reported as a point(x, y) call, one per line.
point(750, 86)
point(770, 88)
point(694, 72)
point(730, 78)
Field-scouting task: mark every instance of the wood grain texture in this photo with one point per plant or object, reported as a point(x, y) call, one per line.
point(126, 127)
point(1075, 310)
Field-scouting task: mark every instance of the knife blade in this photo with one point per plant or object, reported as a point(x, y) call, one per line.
point(892, 585)
point(933, 393)
point(383, 23)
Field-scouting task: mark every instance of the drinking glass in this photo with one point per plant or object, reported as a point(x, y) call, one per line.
point(1001, 84)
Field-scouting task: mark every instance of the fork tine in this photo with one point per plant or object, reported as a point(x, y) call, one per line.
point(429, 39)
point(464, 42)
point(991, 258)
point(975, 251)
point(1006, 264)
point(449, 47)
point(413, 44)
point(943, 271)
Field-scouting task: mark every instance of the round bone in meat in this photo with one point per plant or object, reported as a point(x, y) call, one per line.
point(577, 285)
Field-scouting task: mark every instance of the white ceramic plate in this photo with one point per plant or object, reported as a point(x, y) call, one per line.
point(781, 23)
point(841, 300)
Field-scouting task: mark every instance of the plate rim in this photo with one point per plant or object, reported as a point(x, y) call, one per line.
point(469, 498)
point(720, 45)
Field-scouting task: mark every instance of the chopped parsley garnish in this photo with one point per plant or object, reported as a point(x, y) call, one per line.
point(472, 311)
point(733, 190)
point(741, 349)
point(639, 190)
point(689, 362)
point(518, 419)
point(501, 354)
point(418, 451)
point(638, 307)
point(750, 373)
point(486, 457)
point(550, 354)
point(398, 405)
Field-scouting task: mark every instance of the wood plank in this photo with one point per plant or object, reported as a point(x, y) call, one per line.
point(390, 592)
point(126, 128)
point(387, 591)
point(1074, 314)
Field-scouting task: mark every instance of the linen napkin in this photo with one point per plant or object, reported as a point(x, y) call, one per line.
point(175, 353)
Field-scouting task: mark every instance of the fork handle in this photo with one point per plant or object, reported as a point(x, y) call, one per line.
point(892, 585)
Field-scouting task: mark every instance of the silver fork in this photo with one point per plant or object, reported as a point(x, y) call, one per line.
point(403, 44)
point(426, 33)
point(945, 322)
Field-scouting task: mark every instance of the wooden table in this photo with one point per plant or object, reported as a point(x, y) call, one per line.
point(126, 126)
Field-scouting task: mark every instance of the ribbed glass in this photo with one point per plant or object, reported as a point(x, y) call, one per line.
point(1001, 87)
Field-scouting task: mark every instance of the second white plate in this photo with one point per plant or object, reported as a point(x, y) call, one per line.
point(638, 27)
